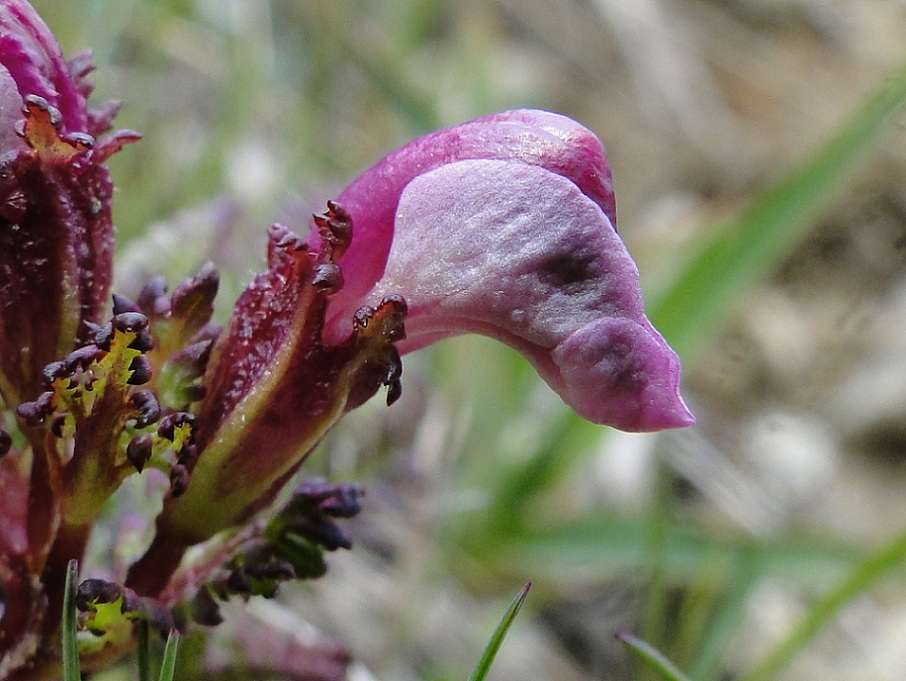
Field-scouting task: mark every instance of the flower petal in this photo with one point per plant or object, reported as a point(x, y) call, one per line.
point(530, 137)
point(521, 254)
point(34, 60)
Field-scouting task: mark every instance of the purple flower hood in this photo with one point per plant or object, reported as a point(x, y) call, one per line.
point(504, 226)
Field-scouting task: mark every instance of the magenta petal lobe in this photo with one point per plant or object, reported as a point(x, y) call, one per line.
point(621, 372)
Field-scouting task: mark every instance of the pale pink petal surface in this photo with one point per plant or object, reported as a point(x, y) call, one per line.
point(525, 136)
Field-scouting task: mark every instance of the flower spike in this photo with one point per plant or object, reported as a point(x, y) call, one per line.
point(503, 226)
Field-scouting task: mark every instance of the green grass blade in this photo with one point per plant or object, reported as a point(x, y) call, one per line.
point(753, 244)
point(605, 543)
point(168, 665)
point(651, 657)
point(71, 668)
point(490, 652)
point(144, 651)
point(724, 621)
point(856, 583)
point(656, 533)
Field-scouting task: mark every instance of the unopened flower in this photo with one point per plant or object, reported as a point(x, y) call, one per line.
point(56, 253)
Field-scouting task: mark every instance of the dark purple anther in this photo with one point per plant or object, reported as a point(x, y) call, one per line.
point(81, 358)
point(362, 316)
point(57, 425)
point(279, 570)
point(179, 480)
point(344, 501)
point(55, 370)
point(147, 406)
point(34, 413)
point(122, 305)
point(328, 276)
point(169, 423)
point(93, 592)
point(130, 322)
point(141, 371)
point(153, 298)
point(238, 582)
point(139, 450)
point(102, 336)
point(204, 609)
point(198, 292)
point(144, 342)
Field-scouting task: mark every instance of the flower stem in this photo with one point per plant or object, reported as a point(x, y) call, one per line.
point(151, 573)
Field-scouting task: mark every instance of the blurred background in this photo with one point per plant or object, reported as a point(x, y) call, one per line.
point(759, 158)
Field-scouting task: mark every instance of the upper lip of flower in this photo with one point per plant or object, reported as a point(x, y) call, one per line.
point(527, 136)
point(505, 226)
point(33, 59)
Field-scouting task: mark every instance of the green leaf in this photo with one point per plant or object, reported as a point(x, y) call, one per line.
point(751, 246)
point(168, 665)
point(651, 657)
point(490, 652)
point(71, 668)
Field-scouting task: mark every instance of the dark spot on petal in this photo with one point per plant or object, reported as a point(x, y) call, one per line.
point(568, 271)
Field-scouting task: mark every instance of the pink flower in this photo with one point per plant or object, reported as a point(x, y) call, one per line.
point(502, 226)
